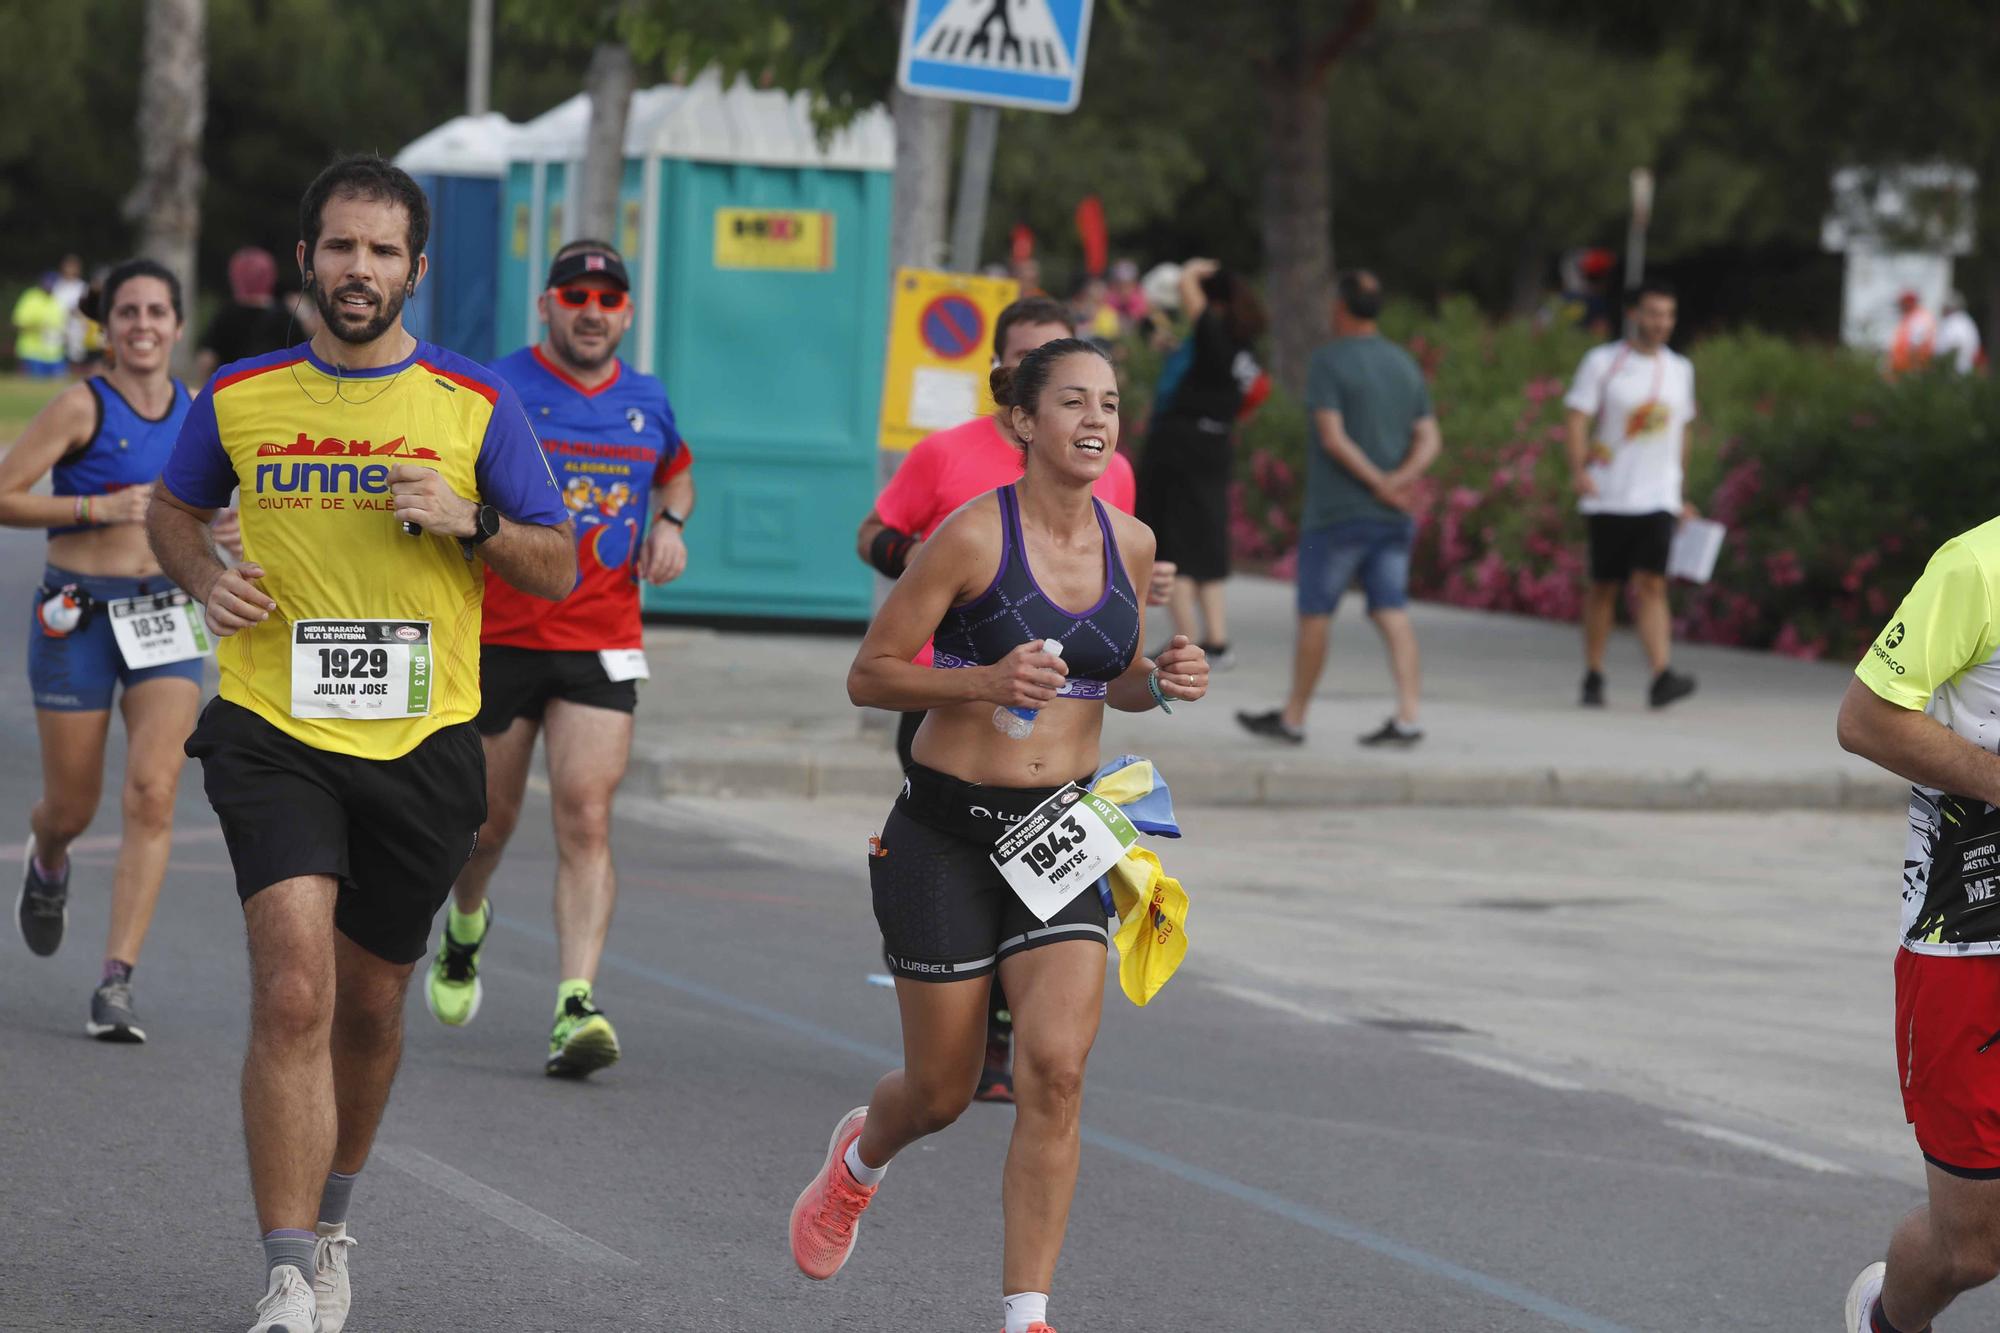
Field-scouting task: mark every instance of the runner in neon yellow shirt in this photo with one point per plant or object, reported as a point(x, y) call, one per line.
point(1925, 704)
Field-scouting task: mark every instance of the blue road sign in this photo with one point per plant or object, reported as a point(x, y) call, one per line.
point(1023, 53)
point(952, 326)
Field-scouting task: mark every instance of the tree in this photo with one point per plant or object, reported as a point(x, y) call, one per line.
point(173, 99)
point(1434, 109)
point(609, 82)
point(1287, 50)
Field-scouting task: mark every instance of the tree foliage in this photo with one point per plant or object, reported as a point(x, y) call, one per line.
point(1465, 137)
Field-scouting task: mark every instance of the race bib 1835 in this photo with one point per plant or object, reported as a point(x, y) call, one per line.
point(361, 669)
point(158, 629)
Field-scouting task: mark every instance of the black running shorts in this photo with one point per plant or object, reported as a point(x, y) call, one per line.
point(394, 832)
point(945, 912)
point(519, 682)
point(1622, 545)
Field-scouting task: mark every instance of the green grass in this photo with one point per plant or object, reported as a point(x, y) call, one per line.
point(20, 399)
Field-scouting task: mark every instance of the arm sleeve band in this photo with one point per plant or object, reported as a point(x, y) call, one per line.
point(890, 551)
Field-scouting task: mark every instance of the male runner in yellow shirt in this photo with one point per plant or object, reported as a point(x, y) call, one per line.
point(378, 474)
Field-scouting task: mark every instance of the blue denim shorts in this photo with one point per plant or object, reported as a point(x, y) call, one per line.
point(1377, 550)
point(78, 672)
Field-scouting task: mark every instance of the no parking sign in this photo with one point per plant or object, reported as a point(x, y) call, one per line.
point(940, 349)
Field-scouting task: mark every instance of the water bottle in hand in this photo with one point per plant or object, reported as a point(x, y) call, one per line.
point(1019, 723)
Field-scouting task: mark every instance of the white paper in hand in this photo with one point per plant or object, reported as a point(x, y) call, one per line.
point(1697, 543)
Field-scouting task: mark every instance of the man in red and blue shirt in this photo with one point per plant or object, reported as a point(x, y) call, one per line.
point(571, 670)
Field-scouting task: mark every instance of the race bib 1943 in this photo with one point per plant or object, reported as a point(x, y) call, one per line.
point(361, 669)
point(1061, 849)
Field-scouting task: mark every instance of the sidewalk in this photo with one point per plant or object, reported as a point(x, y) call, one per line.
point(768, 714)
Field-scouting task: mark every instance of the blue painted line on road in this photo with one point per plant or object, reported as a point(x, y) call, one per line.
point(1313, 1219)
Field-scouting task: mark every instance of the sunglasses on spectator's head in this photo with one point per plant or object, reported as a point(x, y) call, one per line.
point(576, 298)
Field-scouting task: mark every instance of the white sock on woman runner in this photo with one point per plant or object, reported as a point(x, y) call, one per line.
point(869, 1176)
point(1029, 1307)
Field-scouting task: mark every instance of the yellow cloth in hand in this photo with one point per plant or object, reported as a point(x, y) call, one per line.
point(1152, 932)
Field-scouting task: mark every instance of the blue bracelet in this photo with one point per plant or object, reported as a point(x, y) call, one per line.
point(1153, 686)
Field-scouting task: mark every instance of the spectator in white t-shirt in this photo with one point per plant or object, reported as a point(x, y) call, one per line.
point(1957, 336)
point(1626, 431)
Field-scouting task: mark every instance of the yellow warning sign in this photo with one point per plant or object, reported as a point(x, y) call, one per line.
point(940, 350)
point(774, 238)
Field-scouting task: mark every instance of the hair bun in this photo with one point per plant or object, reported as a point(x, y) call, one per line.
point(1001, 381)
point(90, 304)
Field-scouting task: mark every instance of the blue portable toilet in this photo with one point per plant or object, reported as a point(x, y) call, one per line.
point(759, 257)
point(460, 165)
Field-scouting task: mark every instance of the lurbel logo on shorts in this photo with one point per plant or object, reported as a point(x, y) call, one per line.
point(337, 469)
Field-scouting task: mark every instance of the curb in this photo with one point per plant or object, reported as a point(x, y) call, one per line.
point(812, 770)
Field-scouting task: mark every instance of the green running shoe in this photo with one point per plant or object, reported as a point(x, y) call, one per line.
point(452, 991)
point(583, 1040)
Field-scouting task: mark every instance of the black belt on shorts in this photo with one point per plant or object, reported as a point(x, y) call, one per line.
point(969, 810)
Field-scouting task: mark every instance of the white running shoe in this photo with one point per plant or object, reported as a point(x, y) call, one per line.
point(330, 1275)
point(1862, 1295)
point(287, 1306)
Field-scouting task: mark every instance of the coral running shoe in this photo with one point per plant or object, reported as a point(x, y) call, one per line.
point(824, 1217)
point(1037, 1327)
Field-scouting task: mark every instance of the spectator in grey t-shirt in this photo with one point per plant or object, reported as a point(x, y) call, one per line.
point(1373, 435)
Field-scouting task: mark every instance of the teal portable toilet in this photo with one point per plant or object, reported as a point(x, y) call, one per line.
point(460, 165)
point(760, 262)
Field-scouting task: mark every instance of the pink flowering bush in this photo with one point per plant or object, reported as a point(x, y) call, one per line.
point(1835, 486)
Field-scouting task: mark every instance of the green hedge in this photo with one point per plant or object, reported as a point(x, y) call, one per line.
point(1836, 485)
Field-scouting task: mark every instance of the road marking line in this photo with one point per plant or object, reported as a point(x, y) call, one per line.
point(1790, 1156)
point(1278, 1003)
point(1553, 1082)
point(1263, 1200)
point(502, 1208)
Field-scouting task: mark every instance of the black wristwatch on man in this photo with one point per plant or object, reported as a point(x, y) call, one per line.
point(485, 526)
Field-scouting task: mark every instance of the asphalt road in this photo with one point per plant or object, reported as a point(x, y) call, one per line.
point(1244, 1168)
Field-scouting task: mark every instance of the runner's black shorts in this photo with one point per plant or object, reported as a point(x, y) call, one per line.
point(1622, 545)
point(945, 912)
point(519, 682)
point(393, 832)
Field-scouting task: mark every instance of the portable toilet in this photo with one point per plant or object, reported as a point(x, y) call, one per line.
point(759, 257)
point(460, 165)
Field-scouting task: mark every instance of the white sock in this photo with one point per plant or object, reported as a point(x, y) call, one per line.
point(1029, 1307)
point(863, 1174)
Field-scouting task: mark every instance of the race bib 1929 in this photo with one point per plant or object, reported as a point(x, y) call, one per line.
point(1061, 849)
point(361, 669)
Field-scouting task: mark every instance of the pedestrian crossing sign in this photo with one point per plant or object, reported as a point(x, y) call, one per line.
point(1020, 53)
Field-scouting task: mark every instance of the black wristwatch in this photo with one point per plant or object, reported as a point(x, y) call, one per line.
point(485, 524)
point(669, 516)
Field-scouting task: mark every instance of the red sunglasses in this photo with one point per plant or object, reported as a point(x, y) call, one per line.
point(576, 298)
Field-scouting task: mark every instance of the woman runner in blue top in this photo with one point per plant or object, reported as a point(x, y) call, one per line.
point(994, 584)
point(104, 442)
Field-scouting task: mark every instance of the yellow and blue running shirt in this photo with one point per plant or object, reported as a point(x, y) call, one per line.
point(1940, 653)
point(311, 447)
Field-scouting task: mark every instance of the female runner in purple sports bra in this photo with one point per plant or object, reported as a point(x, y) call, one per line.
point(1000, 577)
